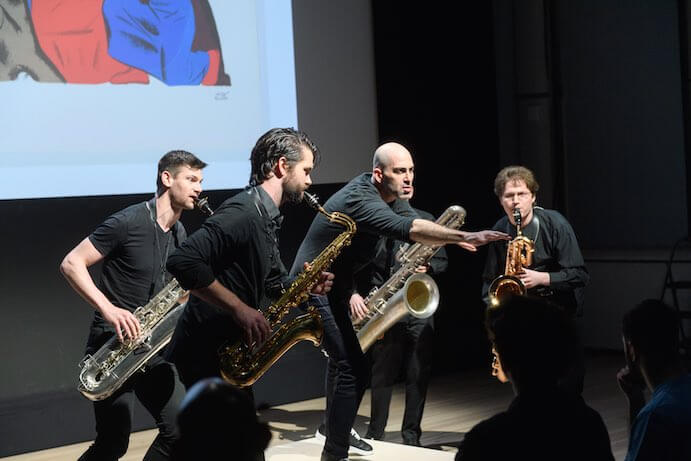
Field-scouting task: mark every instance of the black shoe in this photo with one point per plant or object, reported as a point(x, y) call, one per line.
point(329, 457)
point(320, 434)
point(359, 446)
point(372, 436)
point(412, 442)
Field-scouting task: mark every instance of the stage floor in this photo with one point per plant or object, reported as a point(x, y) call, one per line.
point(454, 404)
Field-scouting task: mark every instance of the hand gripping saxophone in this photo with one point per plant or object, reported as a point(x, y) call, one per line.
point(242, 364)
point(406, 291)
point(104, 372)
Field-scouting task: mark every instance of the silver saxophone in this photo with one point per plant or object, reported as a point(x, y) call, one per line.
point(107, 370)
point(406, 291)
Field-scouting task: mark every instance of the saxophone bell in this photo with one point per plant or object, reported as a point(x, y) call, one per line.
point(419, 297)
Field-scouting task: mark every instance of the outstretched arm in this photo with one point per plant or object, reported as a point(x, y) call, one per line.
point(430, 233)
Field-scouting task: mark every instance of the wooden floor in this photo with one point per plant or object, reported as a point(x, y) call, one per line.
point(454, 404)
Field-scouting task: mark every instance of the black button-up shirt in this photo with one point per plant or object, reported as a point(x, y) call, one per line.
point(238, 246)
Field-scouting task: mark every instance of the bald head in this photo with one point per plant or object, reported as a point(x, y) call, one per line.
point(393, 171)
point(390, 153)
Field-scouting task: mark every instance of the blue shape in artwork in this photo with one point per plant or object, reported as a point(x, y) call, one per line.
point(156, 37)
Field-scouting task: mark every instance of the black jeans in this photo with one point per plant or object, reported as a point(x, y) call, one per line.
point(347, 375)
point(406, 347)
point(157, 387)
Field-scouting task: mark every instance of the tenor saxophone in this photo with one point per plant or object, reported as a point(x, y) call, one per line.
point(107, 370)
point(242, 364)
point(406, 291)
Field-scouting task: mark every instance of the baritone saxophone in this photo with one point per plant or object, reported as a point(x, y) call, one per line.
point(107, 369)
point(406, 291)
point(242, 364)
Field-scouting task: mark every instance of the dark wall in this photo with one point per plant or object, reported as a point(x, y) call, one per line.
point(436, 95)
point(621, 73)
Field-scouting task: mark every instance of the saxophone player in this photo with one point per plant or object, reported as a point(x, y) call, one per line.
point(406, 347)
point(557, 271)
point(232, 264)
point(133, 245)
point(375, 201)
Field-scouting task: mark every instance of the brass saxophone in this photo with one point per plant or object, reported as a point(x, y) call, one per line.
point(107, 370)
point(406, 291)
point(242, 364)
point(518, 255)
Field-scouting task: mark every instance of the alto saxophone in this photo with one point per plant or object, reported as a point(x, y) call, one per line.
point(406, 291)
point(519, 254)
point(242, 364)
point(107, 370)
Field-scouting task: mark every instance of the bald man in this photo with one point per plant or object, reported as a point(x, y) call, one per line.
point(377, 202)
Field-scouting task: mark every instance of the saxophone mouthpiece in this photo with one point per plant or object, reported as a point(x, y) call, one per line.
point(203, 205)
point(517, 217)
point(312, 200)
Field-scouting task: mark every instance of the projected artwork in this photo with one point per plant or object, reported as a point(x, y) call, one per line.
point(115, 41)
point(111, 85)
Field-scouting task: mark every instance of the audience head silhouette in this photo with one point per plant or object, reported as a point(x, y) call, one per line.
point(651, 336)
point(534, 340)
point(218, 421)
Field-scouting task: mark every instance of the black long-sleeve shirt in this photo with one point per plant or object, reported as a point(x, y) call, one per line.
point(361, 201)
point(556, 252)
point(238, 246)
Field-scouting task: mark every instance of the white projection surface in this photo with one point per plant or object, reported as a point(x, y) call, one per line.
point(79, 139)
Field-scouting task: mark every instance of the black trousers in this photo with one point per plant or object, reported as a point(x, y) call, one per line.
point(406, 348)
point(347, 375)
point(157, 387)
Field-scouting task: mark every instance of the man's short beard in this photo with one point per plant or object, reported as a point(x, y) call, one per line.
point(292, 196)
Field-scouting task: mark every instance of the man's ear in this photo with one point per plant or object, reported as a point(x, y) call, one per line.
point(166, 178)
point(281, 168)
point(377, 174)
point(630, 351)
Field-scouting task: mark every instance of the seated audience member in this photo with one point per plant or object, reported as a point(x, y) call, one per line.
point(534, 343)
point(218, 422)
point(660, 429)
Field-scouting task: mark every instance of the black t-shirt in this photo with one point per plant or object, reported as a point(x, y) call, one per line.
point(135, 249)
point(361, 201)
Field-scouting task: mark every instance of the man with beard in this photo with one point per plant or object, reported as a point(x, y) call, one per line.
point(375, 201)
point(232, 263)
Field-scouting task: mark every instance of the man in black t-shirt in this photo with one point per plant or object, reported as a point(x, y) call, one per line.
point(375, 202)
point(133, 245)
